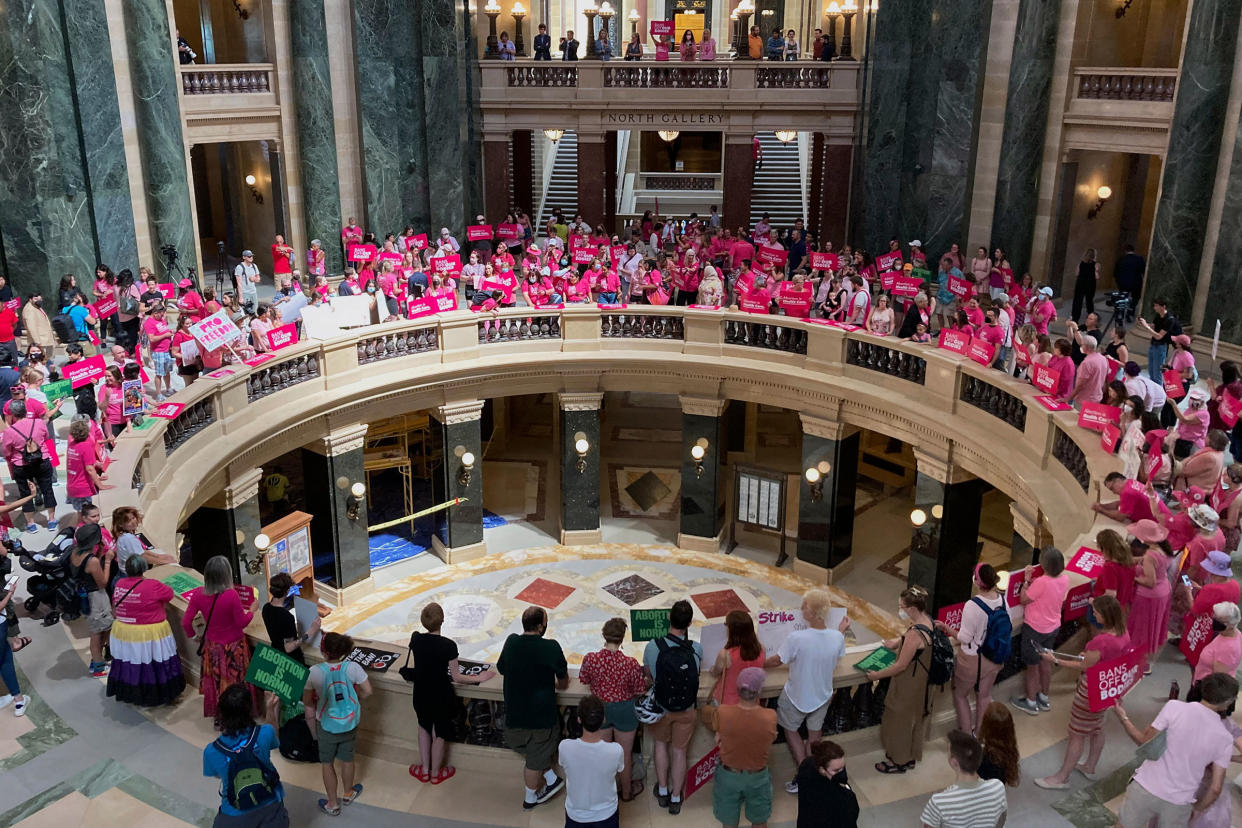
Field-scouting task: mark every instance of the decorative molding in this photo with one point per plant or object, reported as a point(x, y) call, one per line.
point(826, 429)
point(941, 468)
point(580, 400)
point(243, 486)
point(702, 406)
point(462, 412)
point(345, 439)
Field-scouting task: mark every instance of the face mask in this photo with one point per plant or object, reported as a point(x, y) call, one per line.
point(902, 614)
point(370, 288)
point(38, 303)
point(1218, 626)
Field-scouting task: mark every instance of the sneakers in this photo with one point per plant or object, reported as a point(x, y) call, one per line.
point(661, 799)
point(31, 526)
point(674, 806)
point(545, 793)
point(1043, 702)
point(98, 669)
point(51, 525)
point(1025, 705)
point(791, 786)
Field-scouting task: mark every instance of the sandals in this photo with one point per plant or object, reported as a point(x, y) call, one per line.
point(323, 806)
point(888, 766)
point(445, 773)
point(419, 773)
point(20, 643)
point(636, 787)
point(355, 792)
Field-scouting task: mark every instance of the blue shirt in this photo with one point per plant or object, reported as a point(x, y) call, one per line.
point(652, 652)
point(215, 762)
point(77, 314)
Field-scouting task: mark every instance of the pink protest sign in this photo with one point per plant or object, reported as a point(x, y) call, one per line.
point(429, 305)
point(14, 304)
point(168, 410)
point(1097, 415)
point(1045, 378)
point(951, 615)
point(888, 261)
point(754, 304)
point(1109, 680)
point(1014, 588)
point(956, 341)
point(824, 261)
point(478, 232)
point(981, 351)
point(959, 287)
point(1196, 635)
point(1052, 403)
point(105, 307)
point(661, 28)
point(906, 286)
point(796, 303)
point(1109, 435)
point(771, 255)
point(887, 279)
point(488, 285)
point(416, 242)
point(450, 265)
point(215, 331)
point(617, 253)
point(390, 256)
point(361, 252)
point(509, 231)
point(582, 255)
point(1229, 409)
point(258, 359)
point(1173, 384)
point(1086, 561)
point(282, 337)
point(169, 290)
point(1076, 601)
point(703, 771)
point(85, 371)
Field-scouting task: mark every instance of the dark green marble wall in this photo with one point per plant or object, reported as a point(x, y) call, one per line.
point(1026, 119)
point(153, 69)
point(579, 489)
point(926, 89)
point(1226, 285)
point(1191, 160)
point(445, 68)
point(312, 89)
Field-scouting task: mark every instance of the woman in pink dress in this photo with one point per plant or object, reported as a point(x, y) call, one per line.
point(315, 258)
point(1148, 623)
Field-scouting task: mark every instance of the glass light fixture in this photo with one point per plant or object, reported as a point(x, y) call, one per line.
point(250, 179)
point(262, 542)
point(492, 6)
point(1104, 193)
point(358, 489)
point(785, 136)
point(918, 517)
point(518, 8)
point(606, 10)
point(634, 16)
point(553, 135)
point(938, 511)
point(812, 475)
point(697, 452)
point(669, 135)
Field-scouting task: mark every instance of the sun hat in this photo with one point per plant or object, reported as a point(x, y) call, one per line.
point(533, 250)
point(1203, 516)
point(1199, 394)
point(1148, 531)
point(1216, 562)
point(752, 678)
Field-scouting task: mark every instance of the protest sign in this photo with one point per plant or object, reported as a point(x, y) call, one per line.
point(1109, 435)
point(361, 253)
point(276, 672)
point(906, 286)
point(1095, 416)
point(478, 232)
point(282, 337)
point(377, 661)
point(703, 771)
point(824, 261)
point(956, 341)
point(1052, 403)
point(1173, 384)
point(168, 410)
point(416, 242)
point(771, 255)
point(105, 307)
point(1086, 561)
point(85, 371)
point(888, 261)
point(215, 331)
point(1076, 601)
point(1044, 378)
point(661, 28)
point(646, 624)
point(131, 397)
point(754, 303)
point(1109, 680)
point(1196, 635)
point(959, 287)
point(951, 615)
point(981, 351)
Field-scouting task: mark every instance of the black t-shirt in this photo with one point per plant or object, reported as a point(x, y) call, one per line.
point(432, 653)
point(280, 627)
point(531, 664)
point(1169, 323)
point(150, 297)
point(1076, 353)
point(824, 802)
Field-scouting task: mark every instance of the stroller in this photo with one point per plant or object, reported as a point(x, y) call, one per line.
point(51, 583)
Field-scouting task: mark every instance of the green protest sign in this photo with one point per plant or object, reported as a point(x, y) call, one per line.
point(58, 390)
point(181, 582)
point(878, 659)
point(646, 624)
point(272, 670)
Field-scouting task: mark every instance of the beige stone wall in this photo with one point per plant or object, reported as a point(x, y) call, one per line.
point(339, 18)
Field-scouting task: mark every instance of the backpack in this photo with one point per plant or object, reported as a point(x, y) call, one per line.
point(940, 669)
point(338, 704)
point(998, 640)
point(677, 675)
point(32, 452)
point(62, 326)
point(249, 782)
point(84, 401)
point(296, 742)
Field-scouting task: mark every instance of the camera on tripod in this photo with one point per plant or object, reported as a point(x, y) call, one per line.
point(1118, 300)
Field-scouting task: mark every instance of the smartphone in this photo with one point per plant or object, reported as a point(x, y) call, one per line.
point(10, 582)
point(1186, 581)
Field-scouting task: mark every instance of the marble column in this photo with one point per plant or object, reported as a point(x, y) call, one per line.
point(1226, 284)
point(330, 468)
point(445, 65)
point(826, 507)
point(580, 475)
point(610, 181)
point(834, 196)
point(312, 95)
point(702, 482)
point(227, 524)
point(591, 161)
point(459, 529)
point(925, 92)
point(739, 180)
point(1191, 160)
point(1022, 139)
point(944, 547)
point(523, 170)
point(153, 66)
point(496, 178)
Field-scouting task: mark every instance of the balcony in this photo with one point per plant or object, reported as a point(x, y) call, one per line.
point(228, 102)
point(1120, 109)
point(752, 95)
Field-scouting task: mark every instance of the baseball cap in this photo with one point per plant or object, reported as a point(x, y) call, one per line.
point(751, 679)
point(916, 243)
point(1002, 298)
point(246, 253)
point(1046, 291)
point(185, 283)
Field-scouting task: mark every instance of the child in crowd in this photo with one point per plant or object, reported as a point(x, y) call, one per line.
point(333, 699)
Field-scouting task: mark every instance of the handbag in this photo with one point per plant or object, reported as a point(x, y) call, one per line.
point(203, 641)
point(406, 671)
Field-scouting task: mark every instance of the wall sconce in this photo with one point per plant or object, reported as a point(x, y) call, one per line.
point(253, 565)
point(354, 500)
point(815, 477)
point(1104, 193)
point(697, 452)
point(466, 459)
point(581, 446)
point(254, 193)
point(668, 135)
point(917, 518)
point(634, 18)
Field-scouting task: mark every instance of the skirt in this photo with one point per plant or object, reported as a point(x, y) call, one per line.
point(146, 669)
point(1148, 623)
point(223, 666)
point(1082, 721)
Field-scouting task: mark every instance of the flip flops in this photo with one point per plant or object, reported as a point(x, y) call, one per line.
point(445, 773)
point(355, 792)
point(323, 806)
point(419, 773)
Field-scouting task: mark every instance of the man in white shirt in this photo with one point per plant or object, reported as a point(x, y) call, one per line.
point(246, 278)
point(812, 655)
point(447, 244)
point(591, 766)
point(970, 802)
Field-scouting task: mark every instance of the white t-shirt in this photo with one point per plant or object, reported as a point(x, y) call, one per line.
point(590, 778)
point(977, 806)
point(812, 656)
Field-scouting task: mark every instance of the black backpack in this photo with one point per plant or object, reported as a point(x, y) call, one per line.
point(940, 669)
point(32, 451)
point(249, 782)
point(677, 675)
point(84, 401)
point(62, 326)
point(296, 742)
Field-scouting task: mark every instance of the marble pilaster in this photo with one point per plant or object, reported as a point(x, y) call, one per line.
point(1026, 119)
point(227, 525)
point(153, 67)
point(330, 468)
point(1226, 284)
point(944, 548)
point(702, 483)
point(1192, 157)
point(312, 91)
point(580, 475)
point(826, 509)
point(459, 428)
point(444, 69)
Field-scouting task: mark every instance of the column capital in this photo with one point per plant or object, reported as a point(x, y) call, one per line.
point(462, 412)
point(242, 486)
point(827, 429)
point(1030, 528)
point(345, 439)
point(702, 406)
point(580, 400)
point(940, 466)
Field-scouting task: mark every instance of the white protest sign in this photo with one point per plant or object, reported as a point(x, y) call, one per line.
point(215, 331)
point(318, 322)
point(774, 626)
point(351, 311)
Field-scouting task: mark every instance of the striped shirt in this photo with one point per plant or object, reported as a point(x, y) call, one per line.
point(981, 805)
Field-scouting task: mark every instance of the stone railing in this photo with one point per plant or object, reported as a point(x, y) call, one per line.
point(662, 76)
point(792, 76)
point(920, 394)
point(226, 79)
point(1125, 84)
point(540, 74)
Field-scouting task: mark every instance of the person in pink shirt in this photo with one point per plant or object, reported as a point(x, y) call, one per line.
point(1223, 654)
point(1133, 504)
point(111, 403)
point(146, 669)
point(1064, 365)
point(974, 313)
point(159, 339)
point(1043, 311)
point(1192, 424)
point(707, 46)
point(537, 288)
point(351, 233)
point(1091, 375)
point(606, 287)
point(225, 651)
point(1042, 597)
point(189, 302)
point(82, 469)
point(23, 431)
point(316, 259)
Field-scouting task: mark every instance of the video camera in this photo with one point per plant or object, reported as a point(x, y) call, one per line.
point(1119, 300)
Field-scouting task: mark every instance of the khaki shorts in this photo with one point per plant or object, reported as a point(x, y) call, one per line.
point(675, 728)
point(100, 618)
point(537, 745)
point(1141, 806)
point(791, 718)
point(336, 745)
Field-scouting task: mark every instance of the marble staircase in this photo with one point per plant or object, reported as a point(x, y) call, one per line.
point(778, 186)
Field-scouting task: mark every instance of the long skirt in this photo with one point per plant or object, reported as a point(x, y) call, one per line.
point(1082, 721)
point(146, 669)
point(1148, 623)
point(223, 666)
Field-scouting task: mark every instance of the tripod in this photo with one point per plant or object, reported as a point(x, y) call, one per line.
point(1119, 301)
point(221, 268)
point(172, 268)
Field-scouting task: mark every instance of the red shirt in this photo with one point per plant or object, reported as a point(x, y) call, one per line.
point(1213, 594)
point(8, 320)
point(612, 675)
point(280, 260)
point(1118, 578)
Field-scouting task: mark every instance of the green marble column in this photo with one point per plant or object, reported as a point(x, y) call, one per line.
point(45, 217)
point(312, 90)
point(153, 68)
point(1026, 118)
point(1226, 284)
point(1190, 163)
point(445, 65)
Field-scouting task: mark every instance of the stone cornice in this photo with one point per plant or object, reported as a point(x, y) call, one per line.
point(462, 412)
point(580, 400)
point(702, 406)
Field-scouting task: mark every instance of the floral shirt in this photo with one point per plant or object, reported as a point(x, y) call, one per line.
point(612, 675)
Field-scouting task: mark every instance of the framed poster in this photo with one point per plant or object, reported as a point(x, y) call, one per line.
point(278, 558)
point(299, 549)
point(760, 499)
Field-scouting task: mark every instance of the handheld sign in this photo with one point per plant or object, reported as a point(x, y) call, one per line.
point(951, 615)
point(661, 28)
point(274, 671)
point(416, 242)
point(361, 253)
point(582, 255)
point(488, 285)
point(1086, 561)
point(906, 287)
point(1076, 601)
point(981, 351)
point(258, 359)
point(754, 304)
point(377, 661)
point(1016, 579)
point(105, 307)
point(1173, 384)
point(429, 305)
point(282, 337)
point(771, 255)
point(956, 341)
point(959, 287)
point(1228, 409)
point(390, 256)
point(168, 410)
point(58, 390)
point(168, 290)
point(1109, 680)
point(1196, 635)
point(509, 231)
point(1052, 403)
point(1097, 415)
point(131, 397)
point(887, 279)
point(888, 261)
point(1109, 435)
point(1044, 378)
point(446, 265)
point(824, 261)
point(646, 624)
point(215, 331)
point(478, 232)
point(14, 304)
point(85, 371)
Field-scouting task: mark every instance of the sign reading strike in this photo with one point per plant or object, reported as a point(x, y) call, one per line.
point(646, 624)
point(1086, 561)
point(85, 371)
point(282, 337)
point(1108, 681)
point(215, 331)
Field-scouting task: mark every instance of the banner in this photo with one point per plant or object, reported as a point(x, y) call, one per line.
point(1045, 379)
point(951, 615)
point(754, 304)
point(1173, 384)
point(105, 307)
point(362, 253)
point(431, 304)
point(508, 231)
point(85, 371)
point(1076, 602)
point(1196, 634)
point(1052, 403)
point(1086, 561)
point(661, 28)
point(478, 232)
point(956, 341)
point(168, 410)
point(1095, 416)
point(959, 287)
point(282, 337)
point(771, 255)
point(906, 286)
point(1108, 681)
point(416, 242)
point(981, 351)
point(824, 261)
point(446, 265)
point(888, 261)
point(215, 331)
point(1109, 435)
point(703, 771)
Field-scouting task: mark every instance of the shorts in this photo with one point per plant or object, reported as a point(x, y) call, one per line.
point(1141, 806)
point(613, 821)
point(192, 370)
point(621, 716)
point(162, 363)
point(791, 718)
point(1030, 638)
point(735, 788)
point(44, 478)
point(336, 745)
point(675, 728)
point(79, 502)
point(537, 745)
point(100, 618)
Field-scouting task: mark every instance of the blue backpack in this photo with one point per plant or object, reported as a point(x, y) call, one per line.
point(998, 639)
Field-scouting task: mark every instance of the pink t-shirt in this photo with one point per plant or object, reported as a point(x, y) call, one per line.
point(145, 604)
point(227, 620)
point(1195, 432)
point(157, 327)
point(1135, 505)
point(78, 457)
point(1109, 646)
point(1043, 609)
point(1195, 738)
point(110, 400)
point(1182, 361)
point(1091, 377)
point(1226, 650)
